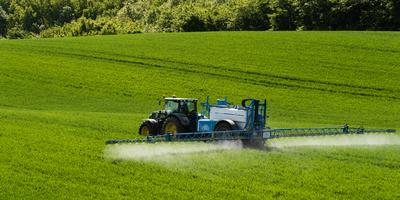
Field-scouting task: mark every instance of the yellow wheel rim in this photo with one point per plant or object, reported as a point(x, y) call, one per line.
point(145, 131)
point(170, 128)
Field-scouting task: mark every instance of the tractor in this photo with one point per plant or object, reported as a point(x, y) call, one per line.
point(179, 115)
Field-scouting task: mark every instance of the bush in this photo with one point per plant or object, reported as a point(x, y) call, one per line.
point(251, 15)
point(17, 33)
point(84, 26)
point(188, 19)
point(53, 32)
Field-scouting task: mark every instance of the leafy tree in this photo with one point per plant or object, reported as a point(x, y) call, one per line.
point(314, 14)
point(3, 22)
point(252, 15)
point(283, 16)
point(193, 23)
point(134, 10)
point(189, 19)
point(16, 32)
point(55, 18)
point(395, 14)
point(66, 15)
point(28, 19)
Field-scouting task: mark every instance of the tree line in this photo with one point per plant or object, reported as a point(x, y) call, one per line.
point(59, 18)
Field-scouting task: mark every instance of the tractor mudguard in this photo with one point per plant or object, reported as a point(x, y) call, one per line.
point(182, 118)
point(153, 121)
point(152, 127)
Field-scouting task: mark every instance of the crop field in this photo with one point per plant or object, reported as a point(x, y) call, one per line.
point(61, 99)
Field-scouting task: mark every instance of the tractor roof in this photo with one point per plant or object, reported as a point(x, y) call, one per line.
point(179, 99)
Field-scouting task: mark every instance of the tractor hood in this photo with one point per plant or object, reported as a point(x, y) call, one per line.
point(160, 114)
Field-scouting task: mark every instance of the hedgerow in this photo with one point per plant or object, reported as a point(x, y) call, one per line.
point(65, 17)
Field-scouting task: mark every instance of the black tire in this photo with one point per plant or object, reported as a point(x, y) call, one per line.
point(151, 127)
point(223, 126)
point(172, 121)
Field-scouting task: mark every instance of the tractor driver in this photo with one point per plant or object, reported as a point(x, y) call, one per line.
point(184, 107)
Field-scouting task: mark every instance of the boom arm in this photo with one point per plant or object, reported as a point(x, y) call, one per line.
point(245, 135)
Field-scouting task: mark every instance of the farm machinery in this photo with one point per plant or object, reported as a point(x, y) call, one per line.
point(181, 121)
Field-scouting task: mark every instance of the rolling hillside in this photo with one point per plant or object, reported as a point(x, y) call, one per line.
point(60, 99)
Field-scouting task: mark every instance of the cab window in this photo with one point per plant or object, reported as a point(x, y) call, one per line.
point(191, 106)
point(171, 105)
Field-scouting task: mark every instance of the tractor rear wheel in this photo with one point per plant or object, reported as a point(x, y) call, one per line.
point(147, 128)
point(172, 126)
point(223, 126)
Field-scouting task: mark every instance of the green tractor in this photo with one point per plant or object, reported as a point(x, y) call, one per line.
point(178, 116)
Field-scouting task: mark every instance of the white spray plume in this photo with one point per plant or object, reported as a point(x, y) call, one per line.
point(162, 150)
point(342, 140)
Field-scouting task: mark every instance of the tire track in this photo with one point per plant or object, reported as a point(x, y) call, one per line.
point(264, 75)
point(253, 81)
point(259, 82)
point(228, 70)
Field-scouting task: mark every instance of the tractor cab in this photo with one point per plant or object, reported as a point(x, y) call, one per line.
point(180, 105)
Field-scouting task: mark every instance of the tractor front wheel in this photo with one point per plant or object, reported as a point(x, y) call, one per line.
point(147, 128)
point(172, 126)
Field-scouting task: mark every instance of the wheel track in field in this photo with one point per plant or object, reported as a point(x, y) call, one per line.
point(115, 57)
point(250, 80)
point(265, 75)
point(253, 81)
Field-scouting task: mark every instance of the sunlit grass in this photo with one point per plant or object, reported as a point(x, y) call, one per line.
point(61, 99)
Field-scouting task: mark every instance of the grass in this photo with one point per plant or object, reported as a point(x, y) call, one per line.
point(60, 99)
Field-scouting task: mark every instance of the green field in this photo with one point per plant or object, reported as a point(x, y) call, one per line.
point(60, 99)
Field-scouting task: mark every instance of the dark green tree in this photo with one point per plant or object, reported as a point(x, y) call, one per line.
point(3, 22)
point(29, 18)
point(193, 23)
point(283, 15)
point(314, 14)
point(66, 15)
point(253, 15)
point(395, 15)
